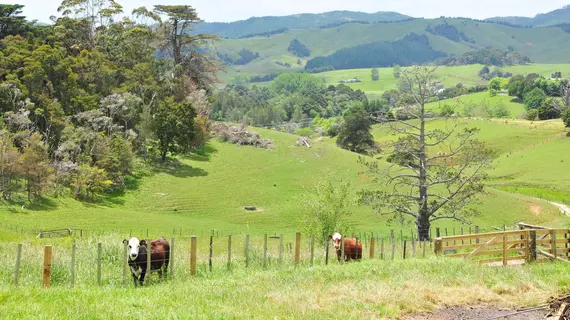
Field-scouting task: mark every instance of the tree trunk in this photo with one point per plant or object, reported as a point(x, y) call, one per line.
point(164, 156)
point(422, 220)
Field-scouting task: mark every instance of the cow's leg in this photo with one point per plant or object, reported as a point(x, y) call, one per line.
point(143, 274)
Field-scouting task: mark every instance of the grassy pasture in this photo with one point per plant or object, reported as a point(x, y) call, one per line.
point(516, 109)
point(449, 76)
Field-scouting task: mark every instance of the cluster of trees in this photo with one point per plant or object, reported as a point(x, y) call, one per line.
point(292, 97)
point(264, 78)
point(449, 31)
point(544, 99)
point(487, 74)
point(81, 98)
point(299, 49)
point(245, 56)
point(412, 49)
point(265, 34)
point(487, 56)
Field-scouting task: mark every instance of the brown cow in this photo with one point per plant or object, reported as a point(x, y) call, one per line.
point(351, 249)
point(159, 258)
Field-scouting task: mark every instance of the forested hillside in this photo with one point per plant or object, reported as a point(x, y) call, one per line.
point(260, 25)
point(556, 17)
point(80, 99)
point(452, 37)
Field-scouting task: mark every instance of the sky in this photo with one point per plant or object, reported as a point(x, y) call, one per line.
point(232, 10)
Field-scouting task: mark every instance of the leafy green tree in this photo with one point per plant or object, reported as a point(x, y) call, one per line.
point(328, 208)
point(354, 133)
point(397, 71)
point(566, 117)
point(11, 21)
point(173, 125)
point(500, 110)
point(35, 168)
point(534, 98)
point(9, 159)
point(550, 109)
point(495, 85)
point(375, 74)
point(185, 47)
point(531, 115)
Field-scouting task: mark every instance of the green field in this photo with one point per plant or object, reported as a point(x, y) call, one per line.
point(200, 193)
point(515, 108)
point(449, 76)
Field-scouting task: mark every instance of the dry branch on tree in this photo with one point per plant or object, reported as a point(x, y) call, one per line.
point(433, 174)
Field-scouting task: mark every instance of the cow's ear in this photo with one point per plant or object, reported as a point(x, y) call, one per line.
point(143, 243)
point(125, 241)
point(330, 236)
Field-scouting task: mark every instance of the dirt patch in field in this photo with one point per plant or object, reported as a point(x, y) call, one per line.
point(479, 312)
point(534, 208)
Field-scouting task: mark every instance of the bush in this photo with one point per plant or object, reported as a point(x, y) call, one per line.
point(531, 115)
point(566, 117)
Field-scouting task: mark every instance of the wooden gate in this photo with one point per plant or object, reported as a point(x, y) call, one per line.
point(509, 247)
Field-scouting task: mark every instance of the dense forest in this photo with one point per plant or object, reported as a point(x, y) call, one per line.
point(412, 49)
point(81, 98)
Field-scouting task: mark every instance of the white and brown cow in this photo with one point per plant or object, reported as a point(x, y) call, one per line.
point(352, 250)
point(138, 255)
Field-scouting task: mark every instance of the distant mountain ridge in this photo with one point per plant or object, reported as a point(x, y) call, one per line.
point(259, 25)
point(553, 18)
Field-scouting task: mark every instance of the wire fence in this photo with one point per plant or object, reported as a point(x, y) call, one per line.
point(90, 258)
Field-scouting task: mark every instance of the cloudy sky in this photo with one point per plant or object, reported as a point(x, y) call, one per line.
point(231, 10)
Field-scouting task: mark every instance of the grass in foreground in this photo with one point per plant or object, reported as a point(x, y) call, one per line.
point(369, 289)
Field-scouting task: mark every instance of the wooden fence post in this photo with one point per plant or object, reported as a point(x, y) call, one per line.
point(476, 232)
point(553, 243)
point(437, 246)
point(18, 258)
point(532, 245)
point(413, 247)
point(393, 246)
point(148, 259)
point(404, 255)
point(280, 250)
point(265, 250)
point(424, 245)
point(437, 232)
point(99, 262)
point(371, 248)
point(297, 248)
point(211, 251)
point(171, 257)
point(229, 252)
point(193, 248)
point(327, 242)
point(246, 250)
point(312, 248)
point(125, 258)
point(342, 250)
point(527, 246)
point(505, 261)
point(382, 248)
point(46, 278)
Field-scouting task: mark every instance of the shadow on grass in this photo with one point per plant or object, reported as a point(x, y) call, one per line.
point(517, 100)
point(21, 204)
point(203, 154)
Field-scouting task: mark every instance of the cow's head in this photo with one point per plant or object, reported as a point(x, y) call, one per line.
point(133, 247)
point(336, 238)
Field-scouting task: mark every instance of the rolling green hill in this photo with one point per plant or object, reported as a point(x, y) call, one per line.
point(210, 191)
point(556, 17)
point(541, 45)
point(258, 25)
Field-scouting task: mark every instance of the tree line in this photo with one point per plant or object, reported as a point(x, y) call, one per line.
point(81, 98)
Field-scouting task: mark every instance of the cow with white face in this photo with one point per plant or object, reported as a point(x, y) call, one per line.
point(138, 254)
point(352, 249)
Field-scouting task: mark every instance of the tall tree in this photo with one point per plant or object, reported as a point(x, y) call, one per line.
point(433, 174)
point(354, 134)
point(35, 168)
point(375, 74)
point(186, 49)
point(173, 124)
point(11, 20)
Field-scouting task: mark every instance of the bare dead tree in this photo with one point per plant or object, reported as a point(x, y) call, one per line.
point(432, 173)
